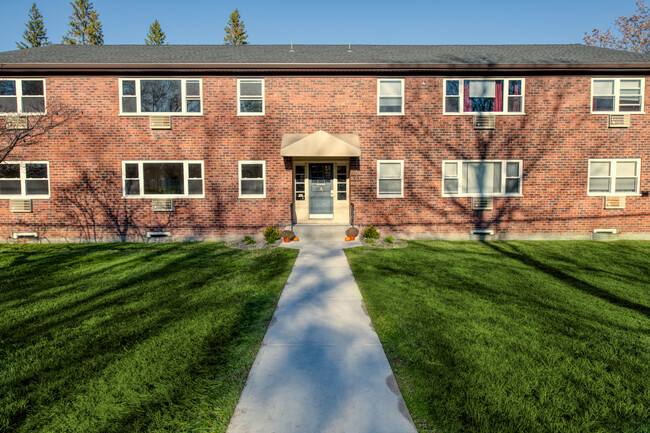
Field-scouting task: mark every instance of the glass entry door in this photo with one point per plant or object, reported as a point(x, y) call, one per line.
point(321, 193)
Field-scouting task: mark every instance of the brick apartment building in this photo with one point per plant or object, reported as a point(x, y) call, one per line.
point(204, 142)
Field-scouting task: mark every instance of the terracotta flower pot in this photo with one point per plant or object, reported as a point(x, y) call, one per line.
point(352, 238)
point(287, 239)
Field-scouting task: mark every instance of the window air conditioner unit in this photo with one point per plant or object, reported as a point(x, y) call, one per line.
point(20, 206)
point(482, 203)
point(614, 202)
point(160, 122)
point(162, 204)
point(619, 120)
point(16, 122)
point(484, 122)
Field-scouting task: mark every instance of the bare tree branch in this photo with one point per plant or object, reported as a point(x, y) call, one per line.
point(631, 33)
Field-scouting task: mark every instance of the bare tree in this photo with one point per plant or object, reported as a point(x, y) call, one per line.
point(631, 33)
point(33, 129)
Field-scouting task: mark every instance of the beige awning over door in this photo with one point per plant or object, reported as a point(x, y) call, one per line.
point(320, 144)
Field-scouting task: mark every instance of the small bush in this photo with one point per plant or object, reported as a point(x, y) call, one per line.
point(286, 234)
point(389, 239)
point(271, 234)
point(352, 231)
point(371, 233)
point(249, 240)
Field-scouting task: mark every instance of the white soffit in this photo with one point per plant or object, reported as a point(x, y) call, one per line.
point(321, 144)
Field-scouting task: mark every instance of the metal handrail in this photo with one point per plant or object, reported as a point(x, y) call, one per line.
point(352, 214)
point(293, 215)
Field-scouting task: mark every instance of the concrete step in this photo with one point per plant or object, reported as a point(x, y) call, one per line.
point(310, 232)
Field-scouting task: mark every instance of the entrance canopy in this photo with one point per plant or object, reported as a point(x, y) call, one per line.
point(321, 144)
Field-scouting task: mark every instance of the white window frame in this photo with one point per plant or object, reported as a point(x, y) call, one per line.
point(19, 96)
point(612, 176)
point(390, 195)
point(186, 172)
point(461, 97)
point(617, 95)
point(263, 178)
point(138, 101)
point(255, 98)
point(459, 176)
point(400, 113)
point(23, 181)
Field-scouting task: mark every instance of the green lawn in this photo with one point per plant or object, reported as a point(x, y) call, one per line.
point(131, 337)
point(515, 336)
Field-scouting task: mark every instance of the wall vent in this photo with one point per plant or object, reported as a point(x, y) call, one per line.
point(609, 231)
point(158, 234)
point(16, 122)
point(482, 203)
point(23, 206)
point(615, 202)
point(18, 235)
point(160, 122)
point(484, 122)
point(162, 204)
point(619, 120)
point(482, 232)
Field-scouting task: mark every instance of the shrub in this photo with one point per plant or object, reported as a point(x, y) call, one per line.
point(371, 233)
point(249, 240)
point(388, 239)
point(271, 234)
point(352, 231)
point(286, 234)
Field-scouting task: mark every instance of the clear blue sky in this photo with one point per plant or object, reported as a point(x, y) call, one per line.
point(331, 22)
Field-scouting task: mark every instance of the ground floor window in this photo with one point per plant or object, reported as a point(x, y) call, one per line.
point(614, 176)
point(162, 178)
point(252, 179)
point(25, 179)
point(390, 179)
point(481, 178)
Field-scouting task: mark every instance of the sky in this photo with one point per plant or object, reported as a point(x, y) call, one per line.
point(331, 22)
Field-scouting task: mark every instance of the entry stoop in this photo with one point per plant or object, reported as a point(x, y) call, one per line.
point(320, 232)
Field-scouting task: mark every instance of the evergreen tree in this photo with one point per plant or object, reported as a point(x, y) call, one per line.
point(34, 35)
point(85, 27)
point(155, 36)
point(235, 31)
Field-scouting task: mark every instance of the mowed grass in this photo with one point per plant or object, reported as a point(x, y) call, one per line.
point(131, 337)
point(515, 336)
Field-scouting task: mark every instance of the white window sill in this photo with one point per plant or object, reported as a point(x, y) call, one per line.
point(481, 195)
point(22, 114)
point(250, 114)
point(613, 194)
point(390, 195)
point(162, 196)
point(160, 114)
point(24, 197)
point(390, 114)
point(474, 113)
point(253, 196)
point(617, 112)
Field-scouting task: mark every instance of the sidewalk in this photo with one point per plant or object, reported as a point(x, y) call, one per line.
point(321, 367)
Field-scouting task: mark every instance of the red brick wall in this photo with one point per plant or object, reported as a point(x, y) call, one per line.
point(554, 139)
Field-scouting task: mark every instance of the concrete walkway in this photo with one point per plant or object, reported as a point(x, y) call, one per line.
point(321, 368)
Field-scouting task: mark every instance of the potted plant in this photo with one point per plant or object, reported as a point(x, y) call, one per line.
point(287, 235)
point(351, 233)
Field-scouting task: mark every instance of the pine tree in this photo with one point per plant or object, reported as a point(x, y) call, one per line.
point(235, 31)
point(85, 27)
point(34, 35)
point(155, 36)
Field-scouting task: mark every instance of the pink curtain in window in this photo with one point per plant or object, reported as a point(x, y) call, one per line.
point(498, 96)
point(466, 101)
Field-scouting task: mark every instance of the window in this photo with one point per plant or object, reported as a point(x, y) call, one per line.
point(160, 96)
point(250, 97)
point(505, 96)
point(481, 178)
point(390, 179)
point(252, 179)
point(617, 95)
point(614, 176)
point(22, 96)
point(163, 179)
point(24, 180)
point(390, 96)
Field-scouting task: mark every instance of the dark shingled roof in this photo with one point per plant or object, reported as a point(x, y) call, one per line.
point(574, 54)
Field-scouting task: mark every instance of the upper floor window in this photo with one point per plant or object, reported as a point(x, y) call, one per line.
point(22, 96)
point(481, 178)
point(617, 95)
point(390, 96)
point(484, 96)
point(390, 178)
point(24, 179)
point(614, 176)
point(163, 179)
point(161, 96)
point(250, 97)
